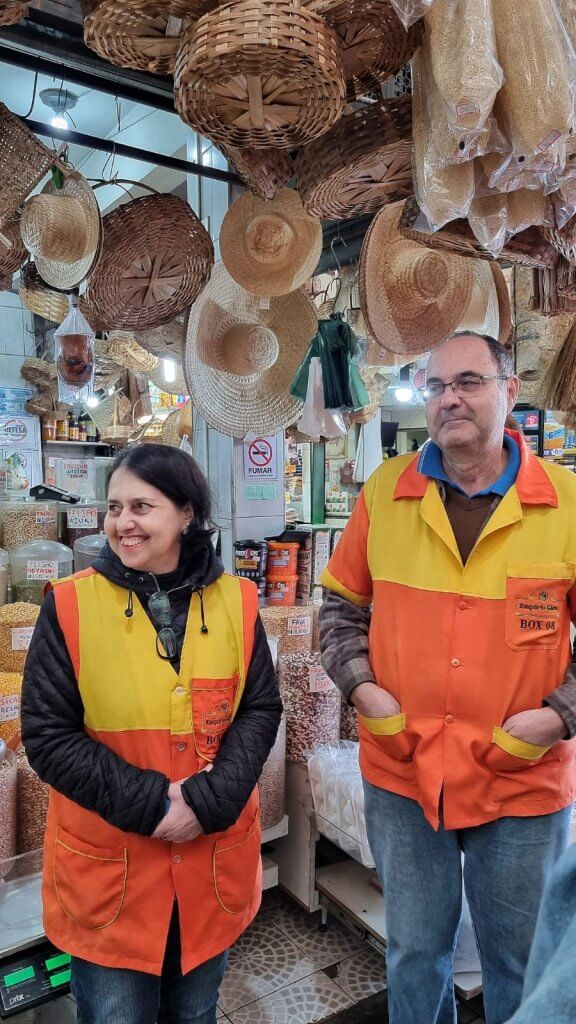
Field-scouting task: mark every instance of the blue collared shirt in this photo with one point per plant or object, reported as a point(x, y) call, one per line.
point(430, 464)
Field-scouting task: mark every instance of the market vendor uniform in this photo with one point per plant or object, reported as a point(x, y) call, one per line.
point(109, 894)
point(489, 638)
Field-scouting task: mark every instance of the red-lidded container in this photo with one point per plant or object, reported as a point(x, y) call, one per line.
point(282, 559)
point(281, 591)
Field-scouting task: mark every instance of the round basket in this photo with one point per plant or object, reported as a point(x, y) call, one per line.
point(123, 349)
point(263, 171)
point(374, 44)
point(48, 303)
point(14, 256)
point(364, 162)
point(24, 161)
point(11, 13)
point(38, 372)
point(166, 342)
point(139, 34)
point(156, 258)
point(45, 401)
point(261, 73)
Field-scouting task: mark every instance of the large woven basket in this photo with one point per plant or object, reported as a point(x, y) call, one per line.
point(139, 34)
point(526, 249)
point(156, 258)
point(38, 372)
point(364, 162)
point(14, 256)
point(11, 13)
point(123, 348)
point(263, 171)
point(24, 161)
point(374, 44)
point(50, 304)
point(261, 73)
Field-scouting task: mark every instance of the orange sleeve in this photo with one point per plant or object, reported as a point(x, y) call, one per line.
point(348, 572)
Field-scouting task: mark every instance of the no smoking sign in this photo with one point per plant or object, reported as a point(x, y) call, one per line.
point(261, 459)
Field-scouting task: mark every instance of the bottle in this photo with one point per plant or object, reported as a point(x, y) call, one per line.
point(73, 431)
point(91, 432)
point(62, 430)
point(82, 432)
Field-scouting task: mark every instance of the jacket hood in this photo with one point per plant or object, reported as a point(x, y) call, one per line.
point(198, 569)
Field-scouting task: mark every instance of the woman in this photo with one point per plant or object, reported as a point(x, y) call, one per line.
point(150, 706)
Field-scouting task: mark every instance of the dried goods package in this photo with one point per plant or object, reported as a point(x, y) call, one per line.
point(32, 806)
point(338, 798)
point(7, 805)
point(17, 623)
point(10, 697)
point(272, 784)
point(311, 703)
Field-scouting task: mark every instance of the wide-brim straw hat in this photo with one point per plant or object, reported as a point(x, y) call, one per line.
point(13, 253)
point(361, 164)
point(411, 297)
point(62, 229)
point(241, 358)
point(489, 309)
point(167, 341)
point(270, 247)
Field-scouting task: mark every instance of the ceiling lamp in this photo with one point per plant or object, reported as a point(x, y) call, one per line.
point(59, 101)
point(404, 392)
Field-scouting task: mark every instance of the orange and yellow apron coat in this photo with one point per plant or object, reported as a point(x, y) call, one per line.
point(464, 647)
point(108, 895)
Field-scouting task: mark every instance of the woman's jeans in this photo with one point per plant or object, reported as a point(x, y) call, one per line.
point(506, 865)
point(111, 995)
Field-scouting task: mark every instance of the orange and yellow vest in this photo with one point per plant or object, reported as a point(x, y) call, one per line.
point(108, 895)
point(464, 647)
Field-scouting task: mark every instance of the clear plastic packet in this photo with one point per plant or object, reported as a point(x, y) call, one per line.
point(564, 205)
point(535, 106)
point(527, 208)
point(488, 219)
point(464, 63)
point(74, 356)
point(410, 11)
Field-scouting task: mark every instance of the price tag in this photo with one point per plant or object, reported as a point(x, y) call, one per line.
point(21, 637)
point(41, 570)
point(82, 518)
point(299, 625)
point(9, 707)
point(45, 518)
point(318, 681)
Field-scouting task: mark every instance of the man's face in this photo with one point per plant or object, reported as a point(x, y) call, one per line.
point(470, 421)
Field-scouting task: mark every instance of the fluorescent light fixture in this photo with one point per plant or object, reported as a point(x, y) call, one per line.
point(169, 370)
point(403, 394)
point(59, 122)
point(93, 401)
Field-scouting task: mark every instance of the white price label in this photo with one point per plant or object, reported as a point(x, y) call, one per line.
point(10, 707)
point(21, 637)
point(82, 518)
point(41, 570)
point(318, 681)
point(299, 625)
point(45, 518)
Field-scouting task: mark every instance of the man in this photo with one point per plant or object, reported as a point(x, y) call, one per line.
point(446, 623)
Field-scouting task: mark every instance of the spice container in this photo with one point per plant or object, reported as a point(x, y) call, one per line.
point(282, 559)
point(87, 549)
point(49, 427)
point(311, 704)
point(4, 559)
point(7, 803)
point(17, 623)
point(33, 565)
point(62, 428)
point(281, 592)
point(80, 521)
point(272, 784)
point(10, 694)
point(24, 521)
point(32, 806)
point(292, 627)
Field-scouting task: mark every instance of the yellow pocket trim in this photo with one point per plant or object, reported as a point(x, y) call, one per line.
point(541, 570)
point(390, 726)
point(518, 748)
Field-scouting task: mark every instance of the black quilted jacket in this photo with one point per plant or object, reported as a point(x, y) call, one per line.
point(89, 773)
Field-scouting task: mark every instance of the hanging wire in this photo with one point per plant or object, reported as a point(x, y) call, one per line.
point(28, 112)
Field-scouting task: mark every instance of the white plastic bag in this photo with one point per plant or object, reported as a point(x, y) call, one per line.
point(74, 356)
point(410, 11)
point(316, 420)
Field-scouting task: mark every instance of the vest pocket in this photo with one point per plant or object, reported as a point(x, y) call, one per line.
point(536, 613)
point(89, 881)
point(212, 713)
point(391, 735)
point(508, 753)
point(234, 868)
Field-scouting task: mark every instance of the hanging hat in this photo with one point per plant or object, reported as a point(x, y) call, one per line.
point(411, 297)
point(270, 247)
point(240, 357)
point(62, 228)
point(123, 348)
point(489, 309)
point(167, 341)
point(178, 425)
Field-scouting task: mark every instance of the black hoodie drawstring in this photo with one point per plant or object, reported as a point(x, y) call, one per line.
point(129, 611)
point(204, 628)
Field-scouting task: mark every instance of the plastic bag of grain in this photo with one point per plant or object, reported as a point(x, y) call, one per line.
point(272, 784)
point(10, 695)
point(32, 806)
point(292, 625)
point(17, 623)
point(311, 704)
point(7, 804)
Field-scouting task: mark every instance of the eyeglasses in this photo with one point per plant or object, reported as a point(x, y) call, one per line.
point(462, 386)
point(159, 607)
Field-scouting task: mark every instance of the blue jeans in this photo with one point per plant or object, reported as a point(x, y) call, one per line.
point(111, 995)
point(506, 865)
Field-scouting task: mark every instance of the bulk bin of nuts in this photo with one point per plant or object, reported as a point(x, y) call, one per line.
point(34, 565)
point(25, 521)
point(311, 703)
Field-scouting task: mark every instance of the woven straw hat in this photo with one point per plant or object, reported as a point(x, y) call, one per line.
point(489, 310)
point(62, 228)
point(167, 341)
point(411, 297)
point(123, 348)
point(240, 359)
point(178, 425)
point(270, 247)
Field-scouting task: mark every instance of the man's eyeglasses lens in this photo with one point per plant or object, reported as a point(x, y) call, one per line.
point(464, 386)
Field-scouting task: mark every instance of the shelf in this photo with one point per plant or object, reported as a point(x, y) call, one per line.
point(276, 831)
point(78, 444)
point(269, 873)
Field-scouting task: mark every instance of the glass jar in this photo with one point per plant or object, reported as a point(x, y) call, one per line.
point(62, 428)
point(49, 427)
point(33, 565)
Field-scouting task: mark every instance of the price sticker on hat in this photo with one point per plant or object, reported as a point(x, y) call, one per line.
point(82, 518)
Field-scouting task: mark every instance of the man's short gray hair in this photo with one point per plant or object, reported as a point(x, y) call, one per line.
point(501, 356)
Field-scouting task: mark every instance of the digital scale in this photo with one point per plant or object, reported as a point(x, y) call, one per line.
point(30, 978)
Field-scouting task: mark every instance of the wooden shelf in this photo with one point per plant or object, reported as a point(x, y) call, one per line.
point(78, 444)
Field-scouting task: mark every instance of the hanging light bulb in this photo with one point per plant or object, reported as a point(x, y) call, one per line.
point(169, 370)
point(92, 401)
point(403, 392)
point(59, 122)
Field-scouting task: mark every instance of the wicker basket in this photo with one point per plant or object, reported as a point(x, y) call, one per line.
point(11, 13)
point(361, 164)
point(526, 249)
point(263, 171)
point(50, 304)
point(123, 349)
point(261, 73)
point(563, 240)
point(24, 161)
point(14, 256)
point(156, 258)
point(139, 34)
point(374, 44)
point(166, 342)
point(38, 372)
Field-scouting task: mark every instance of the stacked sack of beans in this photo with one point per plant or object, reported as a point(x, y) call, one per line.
point(311, 704)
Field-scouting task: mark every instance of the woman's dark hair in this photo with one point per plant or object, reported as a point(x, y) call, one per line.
point(180, 479)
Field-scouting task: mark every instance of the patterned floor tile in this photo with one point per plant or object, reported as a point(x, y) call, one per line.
point(327, 946)
point(262, 961)
point(313, 999)
point(361, 975)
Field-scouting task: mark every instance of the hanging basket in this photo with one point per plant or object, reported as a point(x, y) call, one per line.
point(166, 342)
point(123, 348)
point(263, 171)
point(24, 161)
point(14, 255)
point(50, 304)
point(113, 433)
point(364, 162)
point(38, 372)
point(261, 73)
point(11, 13)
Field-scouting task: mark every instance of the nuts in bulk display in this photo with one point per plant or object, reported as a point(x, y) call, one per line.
point(17, 623)
point(34, 565)
point(290, 626)
point(348, 722)
point(80, 521)
point(4, 560)
point(10, 697)
point(32, 806)
point(7, 803)
point(272, 784)
point(311, 703)
point(28, 520)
